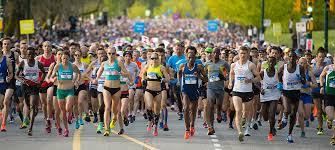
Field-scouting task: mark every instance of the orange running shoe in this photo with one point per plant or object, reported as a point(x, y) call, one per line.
point(187, 135)
point(3, 127)
point(192, 131)
point(270, 137)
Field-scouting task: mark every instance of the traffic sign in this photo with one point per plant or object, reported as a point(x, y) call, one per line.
point(213, 25)
point(27, 26)
point(309, 44)
point(300, 27)
point(139, 27)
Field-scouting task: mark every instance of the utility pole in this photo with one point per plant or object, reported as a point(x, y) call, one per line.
point(326, 9)
point(2, 14)
point(261, 35)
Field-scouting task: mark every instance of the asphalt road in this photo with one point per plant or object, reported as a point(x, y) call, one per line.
point(137, 138)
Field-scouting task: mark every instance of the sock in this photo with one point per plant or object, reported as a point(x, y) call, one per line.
point(166, 115)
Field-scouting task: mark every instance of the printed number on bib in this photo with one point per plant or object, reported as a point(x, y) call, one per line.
point(214, 77)
point(152, 75)
point(190, 79)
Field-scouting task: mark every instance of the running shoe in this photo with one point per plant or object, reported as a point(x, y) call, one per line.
point(166, 128)
point(290, 139)
point(270, 137)
point(87, 119)
point(145, 116)
point(66, 133)
point(30, 133)
point(307, 123)
point(312, 117)
point(60, 130)
point(172, 107)
point(255, 126)
point(48, 129)
point(211, 131)
point(332, 141)
point(192, 131)
point(303, 134)
point(161, 125)
point(77, 124)
point(149, 127)
point(320, 131)
point(231, 125)
point(187, 135)
point(81, 122)
point(246, 132)
point(95, 120)
point(100, 127)
point(134, 118)
point(130, 118)
point(259, 123)
point(282, 125)
point(205, 125)
point(180, 116)
point(121, 132)
point(106, 133)
point(69, 119)
point(274, 132)
point(219, 118)
point(224, 117)
point(24, 124)
point(240, 137)
point(112, 124)
point(155, 133)
point(126, 121)
point(329, 124)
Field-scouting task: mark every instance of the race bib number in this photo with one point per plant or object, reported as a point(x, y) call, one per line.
point(214, 77)
point(113, 72)
point(152, 75)
point(292, 84)
point(66, 76)
point(190, 79)
point(241, 79)
point(271, 87)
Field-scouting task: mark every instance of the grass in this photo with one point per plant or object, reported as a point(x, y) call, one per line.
point(318, 39)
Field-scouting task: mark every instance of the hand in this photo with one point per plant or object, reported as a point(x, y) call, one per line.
point(52, 79)
point(8, 79)
point(322, 91)
point(47, 80)
point(230, 86)
point(248, 80)
point(95, 81)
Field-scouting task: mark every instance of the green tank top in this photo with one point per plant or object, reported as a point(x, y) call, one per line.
point(65, 74)
point(112, 72)
point(330, 81)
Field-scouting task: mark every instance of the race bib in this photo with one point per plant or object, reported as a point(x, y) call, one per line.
point(113, 72)
point(214, 77)
point(332, 83)
point(271, 87)
point(66, 76)
point(317, 80)
point(152, 75)
point(190, 79)
point(240, 79)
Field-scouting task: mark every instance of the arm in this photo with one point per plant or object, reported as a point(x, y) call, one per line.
point(322, 76)
point(280, 73)
point(76, 79)
point(51, 68)
point(18, 73)
point(257, 77)
point(303, 75)
point(10, 70)
point(180, 72)
point(165, 73)
point(40, 66)
point(203, 73)
point(231, 76)
point(124, 71)
point(54, 73)
point(100, 71)
point(313, 84)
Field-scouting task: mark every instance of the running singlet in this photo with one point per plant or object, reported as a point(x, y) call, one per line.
point(18, 82)
point(95, 69)
point(269, 85)
point(242, 72)
point(154, 73)
point(189, 79)
point(317, 73)
point(330, 81)
point(31, 73)
point(65, 74)
point(46, 64)
point(112, 72)
point(86, 60)
point(292, 81)
point(81, 68)
point(3, 73)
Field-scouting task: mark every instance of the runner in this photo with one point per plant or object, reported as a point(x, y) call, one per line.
point(28, 74)
point(317, 97)
point(293, 77)
point(47, 58)
point(243, 73)
point(96, 97)
point(306, 100)
point(327, 84)
point(80, 93)
point(153, 72)
point(111, 93)
point(189, 74)
point(13, 57)
point(217, 73)
point(270, 95)
point(65, 89)
point(6, 75)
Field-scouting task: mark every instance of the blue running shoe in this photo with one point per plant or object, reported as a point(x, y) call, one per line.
point(77, 124)
point(161, 125)
point(290, 139)
point(81, 122)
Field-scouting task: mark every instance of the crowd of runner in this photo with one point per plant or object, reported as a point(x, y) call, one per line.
point(112, 83)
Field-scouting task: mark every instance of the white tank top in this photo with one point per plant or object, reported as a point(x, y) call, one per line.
point(18, 82)
point(31, 73)
point(242, 72)
point(292, 81)
point(269, 84)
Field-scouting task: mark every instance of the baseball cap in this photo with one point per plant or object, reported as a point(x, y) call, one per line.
point(209, 50)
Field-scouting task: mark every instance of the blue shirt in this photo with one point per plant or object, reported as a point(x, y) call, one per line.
point(184, 61)
point(173, 60)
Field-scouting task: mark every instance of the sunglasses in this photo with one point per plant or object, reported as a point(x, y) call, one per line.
point(111, 53)
point(77, 55)
point(154, 58)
